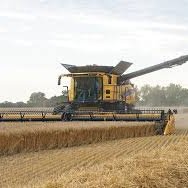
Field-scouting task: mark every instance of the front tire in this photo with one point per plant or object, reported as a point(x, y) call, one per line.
point(66, 116)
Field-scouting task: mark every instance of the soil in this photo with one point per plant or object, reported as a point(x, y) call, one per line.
point(181, 121)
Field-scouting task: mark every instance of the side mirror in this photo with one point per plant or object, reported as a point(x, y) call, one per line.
point(59, 80)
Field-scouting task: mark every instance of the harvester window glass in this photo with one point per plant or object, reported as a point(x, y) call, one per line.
point(88, 88)
point(109, 80)
point(107, 91)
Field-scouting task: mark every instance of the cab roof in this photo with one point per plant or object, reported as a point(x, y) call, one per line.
point(119, 69)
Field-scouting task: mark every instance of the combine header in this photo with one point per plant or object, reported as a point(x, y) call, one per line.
point(99, 93)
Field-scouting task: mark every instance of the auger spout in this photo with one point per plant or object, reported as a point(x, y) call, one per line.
point(167, 64)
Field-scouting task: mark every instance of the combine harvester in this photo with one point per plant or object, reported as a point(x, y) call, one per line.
point(101, 93)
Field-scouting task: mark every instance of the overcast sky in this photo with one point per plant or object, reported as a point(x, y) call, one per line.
point(37, 35)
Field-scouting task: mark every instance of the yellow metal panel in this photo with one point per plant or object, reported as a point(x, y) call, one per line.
point(109, 92)
point(110, 87)
point(109, 83)
point(170, 127)
point(71, 90)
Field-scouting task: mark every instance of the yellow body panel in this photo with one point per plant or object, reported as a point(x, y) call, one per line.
point(111, 91)
point(170, 127)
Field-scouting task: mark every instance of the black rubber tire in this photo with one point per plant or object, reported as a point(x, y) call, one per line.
point(66, 116)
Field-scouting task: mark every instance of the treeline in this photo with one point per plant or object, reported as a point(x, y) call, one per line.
point(37, 99)
point(172, 95)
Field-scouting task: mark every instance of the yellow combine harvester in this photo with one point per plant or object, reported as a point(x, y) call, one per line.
point(102, 93)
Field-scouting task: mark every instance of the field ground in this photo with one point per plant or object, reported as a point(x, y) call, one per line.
point(66, 167)
point(182, 121)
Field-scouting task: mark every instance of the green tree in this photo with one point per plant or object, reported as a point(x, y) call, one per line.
point(144, 94)
point(56, 100)
point(172, 95)
point(37, 99)
point(20, 104)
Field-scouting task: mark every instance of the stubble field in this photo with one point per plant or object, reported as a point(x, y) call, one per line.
point(153, 161)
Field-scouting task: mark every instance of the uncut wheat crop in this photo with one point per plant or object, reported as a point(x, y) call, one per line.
point(153, 161)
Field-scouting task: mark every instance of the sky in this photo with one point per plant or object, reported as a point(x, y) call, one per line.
point(37, 35)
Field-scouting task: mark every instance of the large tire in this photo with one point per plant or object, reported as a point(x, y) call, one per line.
point(66, 116)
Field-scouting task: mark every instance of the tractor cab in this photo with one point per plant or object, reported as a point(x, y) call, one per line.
point(87, 89)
